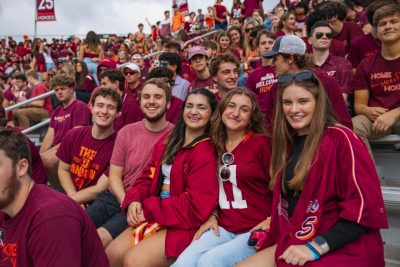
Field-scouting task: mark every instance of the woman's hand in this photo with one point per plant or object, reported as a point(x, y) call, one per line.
point(297, 255)
point(211, 223)
point(264, 225)
point(135, 215)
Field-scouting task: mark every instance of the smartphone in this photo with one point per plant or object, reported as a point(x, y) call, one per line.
point(257, 238)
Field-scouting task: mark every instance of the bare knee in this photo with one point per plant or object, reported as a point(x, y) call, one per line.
point(115, 254)
point(105, 236)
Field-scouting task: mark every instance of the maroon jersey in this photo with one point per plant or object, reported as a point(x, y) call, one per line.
point(349, 34)
point(64, 119)
point(260, 81)
point(364, 47)
point(50, 230)
point(381, 78)
point(342, 184)
point(39, 90)
point(174, 109)
point(245, 200)
point(88, 157)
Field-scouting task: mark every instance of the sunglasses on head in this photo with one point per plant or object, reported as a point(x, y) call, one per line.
point(328, 35)
point(300, 76)
point(224, 172)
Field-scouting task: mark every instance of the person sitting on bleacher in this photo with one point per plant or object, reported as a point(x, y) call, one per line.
point(85, 152)
point(36, 110)
point(377, 81)
point(72, 113)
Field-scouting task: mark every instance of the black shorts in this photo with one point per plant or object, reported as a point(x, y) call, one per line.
point(105, 212)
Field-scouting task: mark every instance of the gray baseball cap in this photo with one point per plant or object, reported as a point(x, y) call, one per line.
point(287, 44)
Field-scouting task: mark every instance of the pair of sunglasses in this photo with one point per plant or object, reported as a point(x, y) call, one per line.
point(319, 35)
point(300, 76)
point(224, 173)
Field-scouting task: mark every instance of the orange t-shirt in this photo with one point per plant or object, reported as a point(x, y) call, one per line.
point(177, 21)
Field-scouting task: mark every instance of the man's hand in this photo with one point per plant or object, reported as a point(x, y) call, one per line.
point(386, 120)
point(374, 112)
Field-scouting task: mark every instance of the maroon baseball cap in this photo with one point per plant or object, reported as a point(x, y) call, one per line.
point(196, 50)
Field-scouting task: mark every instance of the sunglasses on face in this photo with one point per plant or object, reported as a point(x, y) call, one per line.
point(300, 76)
point(247, 30)
point(163, 64)
point(137, 57)
point(328, 35)
point(129, 73)
point(224, 173)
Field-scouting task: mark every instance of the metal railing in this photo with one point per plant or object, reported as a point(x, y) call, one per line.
point(200, 37)
point(23, 103)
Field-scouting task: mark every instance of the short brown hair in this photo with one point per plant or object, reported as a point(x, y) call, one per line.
point(266, 32)
point(33, 74)
point(160, 83)
point(218, 60)
point(105, 92)
point(62, 80)
point(385, 11)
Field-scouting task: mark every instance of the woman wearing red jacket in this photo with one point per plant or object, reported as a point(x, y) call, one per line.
point(176, 193)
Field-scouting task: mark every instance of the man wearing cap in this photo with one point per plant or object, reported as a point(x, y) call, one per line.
point(131, 73)
point(105, 64)
point(137, 58)
point(262, 79)
point(198, 60)
point(288, 55)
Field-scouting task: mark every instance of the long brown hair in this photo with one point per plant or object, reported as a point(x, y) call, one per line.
point(219, 135)
point(283, 132)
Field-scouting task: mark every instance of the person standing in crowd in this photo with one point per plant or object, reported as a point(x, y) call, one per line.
point(346, 32)
point(200, 20)
point(339, 68)
point(224, 70)
point(178, 20)
point(244, 197)
point(337, 222)
point(37, 110)
point(292, 59)
point(176, 192)
point(262, 79)
point(85, 82)
point(72, 113)
point(210, 22)
point(166, 24)
point(31, 216)
point(91, 52)
point(173, 62)
point(220, 13)
point(376, 84)
point(85, 152)
point(130, 111)
point(131, 152)
point(198, 60)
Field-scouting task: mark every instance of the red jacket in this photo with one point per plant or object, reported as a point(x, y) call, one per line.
point(193, 190)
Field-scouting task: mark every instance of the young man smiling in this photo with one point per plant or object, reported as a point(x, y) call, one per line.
point(85, 152)
point(224, 70)
point(197, 57)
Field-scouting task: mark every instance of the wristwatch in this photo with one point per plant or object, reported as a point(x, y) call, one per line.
point(321, 242)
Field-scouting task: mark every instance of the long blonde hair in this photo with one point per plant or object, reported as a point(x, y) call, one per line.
point(282, 136)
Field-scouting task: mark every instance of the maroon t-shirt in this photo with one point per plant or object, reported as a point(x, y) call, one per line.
point(50, 230)
point(187, 71)
point(249, 7)
point(129, 113)
point(382, 79)
point(89, 83)
point(64, 119)
point(349, 34)
point(260, 81)
point(364, 47)
point(39, 90)
point(220, 10)
point(208, 84)
point(174, 110)
point(88, 157)
point(341, 70)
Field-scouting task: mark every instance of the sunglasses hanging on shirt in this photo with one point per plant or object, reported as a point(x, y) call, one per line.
point(224, 173)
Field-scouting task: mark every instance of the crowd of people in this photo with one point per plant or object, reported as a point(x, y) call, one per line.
point(247, 147)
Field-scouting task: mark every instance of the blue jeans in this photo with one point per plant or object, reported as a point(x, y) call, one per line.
point(220, 26)
point(210, 250)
